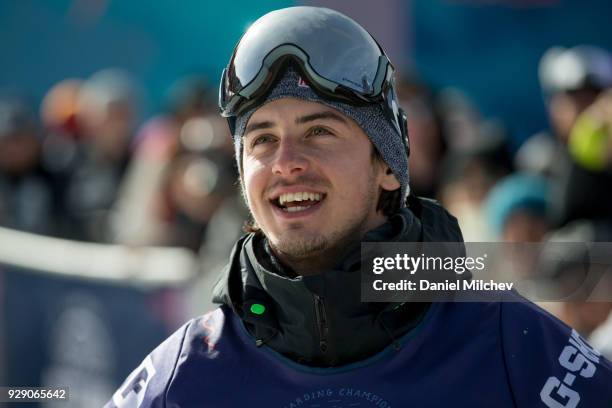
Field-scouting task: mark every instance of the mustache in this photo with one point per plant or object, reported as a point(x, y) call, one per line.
point(312, 181)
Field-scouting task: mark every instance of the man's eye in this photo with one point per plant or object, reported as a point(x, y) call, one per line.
point(319, 131)
point(261, 139)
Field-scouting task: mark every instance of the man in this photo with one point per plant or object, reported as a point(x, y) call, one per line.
point(322, 151)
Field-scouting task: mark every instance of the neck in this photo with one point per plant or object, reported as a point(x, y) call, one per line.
point(314, 263)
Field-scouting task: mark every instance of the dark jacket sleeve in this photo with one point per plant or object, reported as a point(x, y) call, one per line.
point(146, 385)
point(549, 364)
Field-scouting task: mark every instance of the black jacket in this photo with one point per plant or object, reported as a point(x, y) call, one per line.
point(319, 320)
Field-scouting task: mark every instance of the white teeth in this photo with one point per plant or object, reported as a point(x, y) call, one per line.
point(296, 208)
point(300, 196)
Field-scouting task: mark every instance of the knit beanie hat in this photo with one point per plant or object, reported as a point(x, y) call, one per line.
point(371, 118)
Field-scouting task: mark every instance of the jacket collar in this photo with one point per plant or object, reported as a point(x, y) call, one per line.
point(313, 319)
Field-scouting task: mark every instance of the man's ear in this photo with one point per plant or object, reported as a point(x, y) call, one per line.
point(389, 181)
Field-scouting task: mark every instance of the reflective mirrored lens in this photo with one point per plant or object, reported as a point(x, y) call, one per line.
point(339, 49)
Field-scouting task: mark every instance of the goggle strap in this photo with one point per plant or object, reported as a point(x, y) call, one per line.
point(222, 93)
point(403, 119)
point(231, 122)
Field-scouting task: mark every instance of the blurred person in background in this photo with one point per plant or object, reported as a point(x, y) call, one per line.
point(181, 174)
point(197, 184)
point(58, 113)
point(323, 164)
point(106, 112)
point(478, 155)
point(427, 141)
point(582, 190)
point(460, 119)
point(61, 144)
point(571, 80)
point(471, 168)
point(27, 197)
point(516, 208)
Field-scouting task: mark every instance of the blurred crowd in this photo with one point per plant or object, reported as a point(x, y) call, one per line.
point(87, 167)
point(556, 187)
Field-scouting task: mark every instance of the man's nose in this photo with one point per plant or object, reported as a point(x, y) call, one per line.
point(289, 159)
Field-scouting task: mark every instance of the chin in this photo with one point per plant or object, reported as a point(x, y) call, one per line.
point(300, 246)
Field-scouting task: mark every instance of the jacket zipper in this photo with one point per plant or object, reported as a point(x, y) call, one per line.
point(321, 317)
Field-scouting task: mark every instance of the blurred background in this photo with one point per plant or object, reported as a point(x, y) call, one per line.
point(118, 195)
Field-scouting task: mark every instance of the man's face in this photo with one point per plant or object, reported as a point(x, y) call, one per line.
point(309, 177)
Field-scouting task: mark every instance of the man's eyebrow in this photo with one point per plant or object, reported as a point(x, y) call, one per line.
point(299, 121)
point(257, 126)
point(320, 115)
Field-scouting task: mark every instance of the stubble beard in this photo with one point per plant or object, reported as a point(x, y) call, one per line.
point(316, 250)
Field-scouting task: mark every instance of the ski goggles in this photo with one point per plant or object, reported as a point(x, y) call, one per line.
point(339, 58)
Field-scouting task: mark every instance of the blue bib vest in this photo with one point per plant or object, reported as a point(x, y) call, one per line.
point(473, 355)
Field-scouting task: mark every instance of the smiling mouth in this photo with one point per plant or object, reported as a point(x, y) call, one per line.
point(297, 202)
